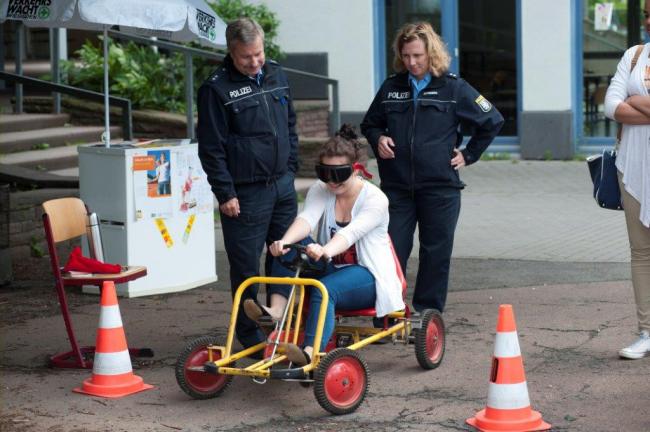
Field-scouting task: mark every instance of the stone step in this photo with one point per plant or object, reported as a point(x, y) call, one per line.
point(28, 122)
point(50, 159)
point(53, 137)
point(67, 172)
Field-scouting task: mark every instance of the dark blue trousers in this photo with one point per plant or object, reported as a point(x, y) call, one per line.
point(435, 211)
point(266, 211)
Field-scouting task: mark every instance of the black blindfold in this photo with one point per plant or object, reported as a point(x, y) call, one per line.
point(333, 173)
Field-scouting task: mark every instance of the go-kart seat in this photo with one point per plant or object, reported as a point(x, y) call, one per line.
point(370, 312)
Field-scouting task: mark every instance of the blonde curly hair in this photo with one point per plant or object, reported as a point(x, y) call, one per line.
point(435, 48)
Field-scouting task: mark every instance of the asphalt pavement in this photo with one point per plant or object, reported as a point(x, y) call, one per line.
point(529, 235)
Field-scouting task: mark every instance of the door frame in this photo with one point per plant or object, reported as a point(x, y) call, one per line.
point(450, 34)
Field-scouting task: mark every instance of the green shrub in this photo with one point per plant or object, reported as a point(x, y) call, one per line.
point(149, 79)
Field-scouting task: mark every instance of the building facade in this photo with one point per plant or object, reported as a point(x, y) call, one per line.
point(545, 65)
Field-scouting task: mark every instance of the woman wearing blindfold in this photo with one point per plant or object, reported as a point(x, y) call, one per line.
point(351, 215)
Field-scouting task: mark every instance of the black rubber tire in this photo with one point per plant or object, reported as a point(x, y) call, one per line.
point(430, 340)
point(199, 385)
point(345, 366)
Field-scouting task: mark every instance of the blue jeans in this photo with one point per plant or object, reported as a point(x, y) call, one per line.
point(349, 288)
point(435, 211)
point(164, 188)
point(266, 211)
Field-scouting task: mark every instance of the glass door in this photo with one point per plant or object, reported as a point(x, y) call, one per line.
point(400, 12)
point(481, 36)
point(487, 39)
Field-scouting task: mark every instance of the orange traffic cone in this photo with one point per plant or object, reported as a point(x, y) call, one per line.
point(508, 406)
point(112, 372)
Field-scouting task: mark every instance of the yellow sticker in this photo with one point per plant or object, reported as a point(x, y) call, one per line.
point(164, 232)
point(188, 228)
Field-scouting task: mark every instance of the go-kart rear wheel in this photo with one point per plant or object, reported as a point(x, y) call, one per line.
point(198, 384)
point(341, 381)
point(430, 340)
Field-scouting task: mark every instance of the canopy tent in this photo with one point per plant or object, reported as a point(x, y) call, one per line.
point(175, 20)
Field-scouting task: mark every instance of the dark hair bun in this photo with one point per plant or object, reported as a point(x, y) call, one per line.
point(347, 132)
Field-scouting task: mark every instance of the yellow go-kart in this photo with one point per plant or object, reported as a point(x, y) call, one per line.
point(339, 374)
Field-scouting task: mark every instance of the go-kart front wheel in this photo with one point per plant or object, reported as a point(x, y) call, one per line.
point(341, 381)
point(430, 340)
point(191, 379)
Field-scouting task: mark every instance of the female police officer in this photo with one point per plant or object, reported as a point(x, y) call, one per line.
point(412, 126)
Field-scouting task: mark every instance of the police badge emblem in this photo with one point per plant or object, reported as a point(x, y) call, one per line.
point(483, 103)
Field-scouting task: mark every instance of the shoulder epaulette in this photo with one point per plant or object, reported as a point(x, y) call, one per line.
point(452, 75)
point(217, 73)
point(273, 62)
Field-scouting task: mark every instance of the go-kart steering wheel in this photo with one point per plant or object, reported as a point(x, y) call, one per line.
point(301, 263)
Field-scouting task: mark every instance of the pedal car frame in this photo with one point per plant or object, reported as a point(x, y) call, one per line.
point(340, 377)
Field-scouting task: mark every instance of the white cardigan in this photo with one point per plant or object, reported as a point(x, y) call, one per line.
point(633, 158)
point(368, 231)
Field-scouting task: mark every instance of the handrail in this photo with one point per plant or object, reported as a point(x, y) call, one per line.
point(124, 104)
point(335, 116)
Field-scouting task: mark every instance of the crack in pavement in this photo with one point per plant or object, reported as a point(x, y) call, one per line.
point(429, 394)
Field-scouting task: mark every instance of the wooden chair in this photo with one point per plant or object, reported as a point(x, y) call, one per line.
point(65, 219)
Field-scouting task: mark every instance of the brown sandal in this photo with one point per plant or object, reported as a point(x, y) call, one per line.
point(256, 312)
point(296, 355)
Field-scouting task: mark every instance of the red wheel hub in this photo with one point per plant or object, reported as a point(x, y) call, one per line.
point(202, 381)
point(344, 382)
point(435, 340)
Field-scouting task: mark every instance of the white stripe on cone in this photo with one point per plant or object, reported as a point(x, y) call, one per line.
point(112, 363)
point(508, 396)
point(506, 345)
point(109, 317)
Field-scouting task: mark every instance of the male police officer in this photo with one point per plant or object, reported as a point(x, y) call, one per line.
point(248, 148)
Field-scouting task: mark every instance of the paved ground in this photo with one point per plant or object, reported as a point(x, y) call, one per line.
point(529, 235)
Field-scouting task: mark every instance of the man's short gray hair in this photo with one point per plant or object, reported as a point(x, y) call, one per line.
point(244, 30)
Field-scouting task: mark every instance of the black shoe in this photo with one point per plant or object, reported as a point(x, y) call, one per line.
point(256, 312)
point(379, 323)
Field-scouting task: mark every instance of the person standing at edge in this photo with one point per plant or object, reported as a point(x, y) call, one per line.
point(412, 126)
point(249, 150)
point(627, 102)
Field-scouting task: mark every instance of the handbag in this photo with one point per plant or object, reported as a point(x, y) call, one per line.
point(602, 169)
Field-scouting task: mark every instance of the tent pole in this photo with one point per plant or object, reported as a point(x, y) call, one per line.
point(107, 119)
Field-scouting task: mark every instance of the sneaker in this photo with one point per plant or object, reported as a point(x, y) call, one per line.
point(638, 349)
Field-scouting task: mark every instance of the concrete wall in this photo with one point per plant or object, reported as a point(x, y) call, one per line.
point(546, 55)
point(26, 232)
point(340, 28)
point(546, 128)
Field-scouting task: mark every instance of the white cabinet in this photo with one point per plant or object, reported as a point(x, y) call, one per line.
point(174, 241)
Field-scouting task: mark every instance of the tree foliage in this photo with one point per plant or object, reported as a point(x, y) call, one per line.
point(149, 79)
point(230, 10)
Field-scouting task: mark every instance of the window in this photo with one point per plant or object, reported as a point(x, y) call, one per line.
point(487, 54)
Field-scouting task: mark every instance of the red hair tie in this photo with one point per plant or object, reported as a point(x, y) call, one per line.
point(362, 168)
